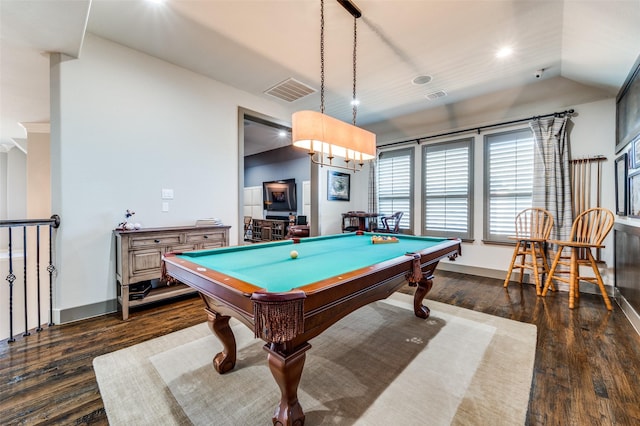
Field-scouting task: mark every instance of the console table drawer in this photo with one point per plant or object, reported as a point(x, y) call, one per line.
point(205, 238)
point(163, 240)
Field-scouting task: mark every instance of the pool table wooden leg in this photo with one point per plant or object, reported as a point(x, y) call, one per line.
point(287, 371)
point(219, 325)
point(423, 287)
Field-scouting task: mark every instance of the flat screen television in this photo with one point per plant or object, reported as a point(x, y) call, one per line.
point(280, 196)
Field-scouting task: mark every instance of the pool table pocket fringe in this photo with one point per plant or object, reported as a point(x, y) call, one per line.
point(164, 275)
point(415, 274)
point(277, 320)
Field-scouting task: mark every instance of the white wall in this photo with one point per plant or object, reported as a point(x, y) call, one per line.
point(123, 126)
point(330, 211)
point(592, 133)
point(13, 192)
point(16, 185)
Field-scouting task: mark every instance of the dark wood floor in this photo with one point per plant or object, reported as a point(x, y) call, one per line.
point(587, 368)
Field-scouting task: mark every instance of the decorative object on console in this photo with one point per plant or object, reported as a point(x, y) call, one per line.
point(126, 225)
point(209, 222)
point(322, 134)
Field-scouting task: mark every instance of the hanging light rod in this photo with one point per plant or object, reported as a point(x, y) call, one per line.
point(351, 8)
point(326, 137)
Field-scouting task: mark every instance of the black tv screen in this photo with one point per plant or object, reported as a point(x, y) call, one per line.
point(280, 195)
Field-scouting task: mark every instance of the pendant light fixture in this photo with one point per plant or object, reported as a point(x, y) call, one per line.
point(323, 135)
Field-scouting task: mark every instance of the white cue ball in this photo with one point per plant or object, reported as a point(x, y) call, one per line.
point(293, 254)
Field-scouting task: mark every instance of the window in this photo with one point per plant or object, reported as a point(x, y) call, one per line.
point(395, 183)
point(447, 189)
point(508, 187)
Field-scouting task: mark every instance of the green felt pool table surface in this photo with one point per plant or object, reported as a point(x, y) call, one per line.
point(271, 267)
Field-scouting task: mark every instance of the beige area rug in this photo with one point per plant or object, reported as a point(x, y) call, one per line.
point(378, 366)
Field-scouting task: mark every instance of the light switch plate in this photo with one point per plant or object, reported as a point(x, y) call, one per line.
point(167, 194)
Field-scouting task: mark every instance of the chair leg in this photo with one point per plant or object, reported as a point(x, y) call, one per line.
point(552, 271)
point(513, 261)
point(534, 265)
point(523, 260)
point(574, 286)
point(545, 266)
point(607, 302)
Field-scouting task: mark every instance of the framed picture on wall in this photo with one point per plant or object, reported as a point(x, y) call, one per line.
point(621, 185)
point(635, 152)
point(338, 186)
point(634, 195)
point(628, 108)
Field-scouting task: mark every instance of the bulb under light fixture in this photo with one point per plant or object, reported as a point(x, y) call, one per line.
point(323, 135)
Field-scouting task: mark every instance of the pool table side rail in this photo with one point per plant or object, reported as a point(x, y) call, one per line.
point(237, 299)
point(327, 305)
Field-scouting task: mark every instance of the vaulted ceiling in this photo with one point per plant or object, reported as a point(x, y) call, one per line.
point(254, 45)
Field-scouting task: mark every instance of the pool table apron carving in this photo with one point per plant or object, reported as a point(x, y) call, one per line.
point(286, 321)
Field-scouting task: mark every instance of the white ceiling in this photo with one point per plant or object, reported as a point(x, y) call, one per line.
point(256, 44)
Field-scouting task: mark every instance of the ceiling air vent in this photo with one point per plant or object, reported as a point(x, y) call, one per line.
point(435, 95)
point(290, 90)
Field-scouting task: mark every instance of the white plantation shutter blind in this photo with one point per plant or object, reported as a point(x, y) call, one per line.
point(395, 184)
point(447, 189)
point(508, 182)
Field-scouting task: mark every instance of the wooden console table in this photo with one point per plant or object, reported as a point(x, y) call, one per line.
point(139, 257)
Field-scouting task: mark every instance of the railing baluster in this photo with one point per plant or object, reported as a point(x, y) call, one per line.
point(51, 269)
point(11, 278)
point(39, 327)
point(53, 222)
point(24, 263)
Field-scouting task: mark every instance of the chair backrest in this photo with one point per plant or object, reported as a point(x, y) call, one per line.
point(592, 226)
point(396, 222)
point(534, 223)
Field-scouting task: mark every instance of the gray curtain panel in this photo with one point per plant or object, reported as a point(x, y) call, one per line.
point(551, 172)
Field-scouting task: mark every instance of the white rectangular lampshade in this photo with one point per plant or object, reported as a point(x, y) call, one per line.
point(318, 132)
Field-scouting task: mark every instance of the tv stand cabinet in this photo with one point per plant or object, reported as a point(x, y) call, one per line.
point(139, 258)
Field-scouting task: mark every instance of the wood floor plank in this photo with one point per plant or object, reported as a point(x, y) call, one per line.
point(587, 365)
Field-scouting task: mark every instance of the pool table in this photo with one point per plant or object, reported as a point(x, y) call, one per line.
point(288, 300)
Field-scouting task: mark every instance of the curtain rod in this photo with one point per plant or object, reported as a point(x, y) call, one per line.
point(597, 158)
point(478, 128)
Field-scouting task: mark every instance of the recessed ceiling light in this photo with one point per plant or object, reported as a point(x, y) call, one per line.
point(421, 79)
point(504, 52)
point(282, 133)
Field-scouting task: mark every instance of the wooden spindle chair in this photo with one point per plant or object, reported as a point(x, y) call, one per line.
point(588, 231)
point(533, 227)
